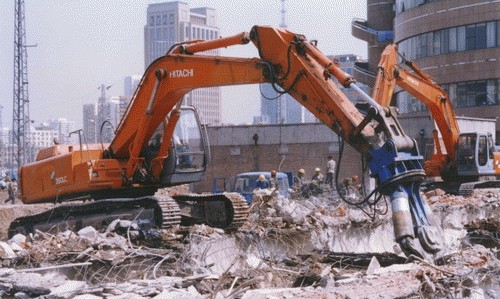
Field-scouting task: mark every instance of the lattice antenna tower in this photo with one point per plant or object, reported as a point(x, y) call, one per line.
point(21, 117)
point(283, 14)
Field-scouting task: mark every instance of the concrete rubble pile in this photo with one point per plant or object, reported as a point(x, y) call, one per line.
point(316, 247)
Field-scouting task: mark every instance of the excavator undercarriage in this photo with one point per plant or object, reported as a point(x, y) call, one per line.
point(224, 210)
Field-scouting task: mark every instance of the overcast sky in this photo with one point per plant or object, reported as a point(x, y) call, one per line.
point(84, 43)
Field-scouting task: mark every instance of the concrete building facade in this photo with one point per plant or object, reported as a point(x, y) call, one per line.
point(130, 84)
point(63, 127)
point(279, 108)
point(169, 23)
point(287, 147)
point(456, 42)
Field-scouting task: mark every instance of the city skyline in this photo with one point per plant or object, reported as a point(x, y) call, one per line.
point(83, 45)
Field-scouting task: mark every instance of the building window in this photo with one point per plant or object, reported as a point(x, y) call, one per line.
point(452, 94)
point(452, 40)
point(470, 37)
point(461, 38)
point(481, 36)
point(490, 35)
point(164, 20)
point(491, 92)
point(498, 33)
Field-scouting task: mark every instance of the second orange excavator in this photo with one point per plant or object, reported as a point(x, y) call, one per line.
point(467, 157)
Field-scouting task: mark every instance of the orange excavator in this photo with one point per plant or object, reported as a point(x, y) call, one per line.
point(121, 178)
point(468, 157)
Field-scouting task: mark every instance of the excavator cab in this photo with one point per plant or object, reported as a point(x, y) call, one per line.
point(475, 154)
point(189, 154)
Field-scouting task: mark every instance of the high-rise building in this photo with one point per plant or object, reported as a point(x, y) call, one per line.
point(89, 123)
point(456, 42)
point(169, 23)
point(63, 127)
point(130, 84)
point(347, 63)
point(122, 107)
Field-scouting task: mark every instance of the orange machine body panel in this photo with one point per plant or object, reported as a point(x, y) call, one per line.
point(67, 172)
point(496, 162)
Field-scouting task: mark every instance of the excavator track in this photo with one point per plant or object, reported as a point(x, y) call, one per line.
point(228, 211)
point(222, 210)
point(98, 214)
point(241, 209)
point(170, 211)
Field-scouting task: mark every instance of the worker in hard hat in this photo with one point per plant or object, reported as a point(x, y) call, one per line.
point(273, 181)
point(317, 181)
point(318, 177)
point(299, 180)
point(351, 187)
point(352, 182)
point(261, 182)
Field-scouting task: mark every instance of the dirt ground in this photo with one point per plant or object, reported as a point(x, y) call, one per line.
point(9, 212)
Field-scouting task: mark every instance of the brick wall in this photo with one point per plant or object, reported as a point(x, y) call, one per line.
point(307, 146)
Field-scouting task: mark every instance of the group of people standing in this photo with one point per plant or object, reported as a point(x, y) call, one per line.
point(315, 185)
point(318, 180)
point(263, 183)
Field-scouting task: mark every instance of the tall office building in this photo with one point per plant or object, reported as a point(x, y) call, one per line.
point(63, 127)
point(89, 123)
point(279, 109)
point(347, 63)
point(456, 42)
point(169, 23)
point(130, 84)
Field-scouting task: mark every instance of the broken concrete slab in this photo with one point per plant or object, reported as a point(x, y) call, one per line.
point(6, 251)
point(395, 268)
point(373, 266)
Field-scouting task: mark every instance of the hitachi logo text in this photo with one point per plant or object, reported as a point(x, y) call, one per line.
point(413, 81)
point(181, 73)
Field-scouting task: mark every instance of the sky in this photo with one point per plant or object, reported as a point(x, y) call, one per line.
point(81, 44)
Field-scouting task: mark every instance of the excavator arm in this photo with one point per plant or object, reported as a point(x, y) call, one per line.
point(426, 90)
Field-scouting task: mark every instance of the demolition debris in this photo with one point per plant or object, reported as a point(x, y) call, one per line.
point(314, 247)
